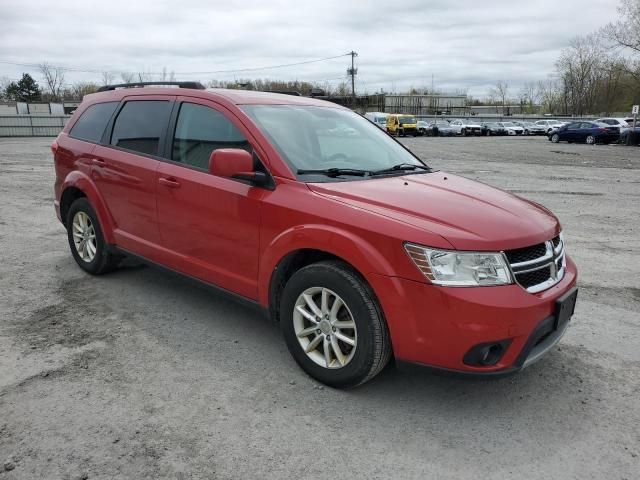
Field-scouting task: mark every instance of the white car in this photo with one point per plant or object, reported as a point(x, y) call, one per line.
point(379, 118)
point(465, 127)
point(550, 125)
point(512, 128)
point(621, 123)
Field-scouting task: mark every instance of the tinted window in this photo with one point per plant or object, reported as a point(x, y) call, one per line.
point(199, 131)
point(140, 125)
point(91, 124)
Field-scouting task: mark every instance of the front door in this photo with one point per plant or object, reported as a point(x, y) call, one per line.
point(209, 225)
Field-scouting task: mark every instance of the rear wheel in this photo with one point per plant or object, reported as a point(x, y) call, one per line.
point(86, 239)
point(591, 140)
point(333, 325)
point(463, 132)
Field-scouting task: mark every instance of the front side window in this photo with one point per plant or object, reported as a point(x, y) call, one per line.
point(313, 138)
point(199, 131)
point(140, 125)
point(91, 124)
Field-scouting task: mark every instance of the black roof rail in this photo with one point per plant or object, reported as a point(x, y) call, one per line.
point(285, 92)
point(194, 85)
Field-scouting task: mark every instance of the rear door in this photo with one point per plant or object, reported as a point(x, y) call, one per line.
point(124, 170)
point(210, 225)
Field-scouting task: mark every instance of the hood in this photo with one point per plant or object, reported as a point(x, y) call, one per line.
point(470, 215)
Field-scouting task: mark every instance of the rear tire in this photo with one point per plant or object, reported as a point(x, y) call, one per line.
point(591, 140)
point(86, 239)
point(351, 364)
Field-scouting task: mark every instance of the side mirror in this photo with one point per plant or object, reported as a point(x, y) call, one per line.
point(235, 163)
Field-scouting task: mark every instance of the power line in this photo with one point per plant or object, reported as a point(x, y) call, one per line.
point(239, 70)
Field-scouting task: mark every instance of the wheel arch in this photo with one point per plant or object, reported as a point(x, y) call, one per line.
point(78, 185)
point(302, 246)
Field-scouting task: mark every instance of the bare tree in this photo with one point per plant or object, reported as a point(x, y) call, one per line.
point(626, 31)
point(54, 79)
point(580, 68)
point(127, 77)
point(501, 92)
point(80, 89)
point(107, 78)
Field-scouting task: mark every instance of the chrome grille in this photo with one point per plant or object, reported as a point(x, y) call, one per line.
point(538, 267)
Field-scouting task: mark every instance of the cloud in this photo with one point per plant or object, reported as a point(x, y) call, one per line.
point(466, 45)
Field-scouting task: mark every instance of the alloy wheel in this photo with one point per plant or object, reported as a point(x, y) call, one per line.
point(325, 327)
point(84, 236)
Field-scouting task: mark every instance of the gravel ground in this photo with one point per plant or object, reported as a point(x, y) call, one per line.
point(141, 374)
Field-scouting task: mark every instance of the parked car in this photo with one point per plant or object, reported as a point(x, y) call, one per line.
point(549, 125)
point(588, 132)
point(465, 127)
point(627, 132)
point(532, 128)
point(426, 128)
point(442, 128)
point(402, 125)
point(493, 128)
point(621, 123)
point(356, 247)
point(512, 128)
point(379, 118)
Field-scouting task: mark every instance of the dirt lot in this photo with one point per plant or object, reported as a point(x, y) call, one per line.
point(140, 374)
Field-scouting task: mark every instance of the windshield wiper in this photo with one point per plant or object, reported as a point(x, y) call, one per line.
point(335, 172)
point(402, 167)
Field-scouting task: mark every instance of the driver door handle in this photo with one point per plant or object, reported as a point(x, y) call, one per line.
point(169, 182)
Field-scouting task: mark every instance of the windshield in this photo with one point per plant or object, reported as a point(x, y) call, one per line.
point(313, 138)
point(381, 120)
point(443, 124)
point(407, 120)
point(508, 124)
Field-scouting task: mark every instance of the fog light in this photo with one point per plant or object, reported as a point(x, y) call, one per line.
point(486, 354)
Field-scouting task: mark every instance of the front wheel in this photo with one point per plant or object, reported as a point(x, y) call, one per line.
point(333, 325)
point(555, 138)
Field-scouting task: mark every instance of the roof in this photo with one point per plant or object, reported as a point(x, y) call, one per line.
point(222, 95)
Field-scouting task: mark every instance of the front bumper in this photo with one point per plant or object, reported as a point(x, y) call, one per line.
point(436, 326)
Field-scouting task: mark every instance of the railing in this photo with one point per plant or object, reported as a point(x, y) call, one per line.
point(32, 125)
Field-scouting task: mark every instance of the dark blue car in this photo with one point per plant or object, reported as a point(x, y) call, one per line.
point(587, 132)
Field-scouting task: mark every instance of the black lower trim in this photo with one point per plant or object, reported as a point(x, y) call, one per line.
point(434, 370)
point(196, 281)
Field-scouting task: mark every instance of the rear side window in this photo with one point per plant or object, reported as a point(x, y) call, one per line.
point(199, 131)
point(140, 125)
point(91, 124)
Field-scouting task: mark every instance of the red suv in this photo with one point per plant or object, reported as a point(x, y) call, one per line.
point(360, 250)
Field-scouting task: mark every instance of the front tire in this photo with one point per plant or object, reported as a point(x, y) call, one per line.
point(86, 239)
point(333, 325)
point(555, 138)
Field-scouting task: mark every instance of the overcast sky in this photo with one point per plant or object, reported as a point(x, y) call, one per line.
point(464, 44)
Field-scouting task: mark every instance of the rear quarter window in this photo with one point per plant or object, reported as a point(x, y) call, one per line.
point(92, 122)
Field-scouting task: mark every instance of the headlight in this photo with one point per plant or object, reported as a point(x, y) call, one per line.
point(460, 269)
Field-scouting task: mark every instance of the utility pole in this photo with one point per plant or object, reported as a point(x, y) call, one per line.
point(353, 71)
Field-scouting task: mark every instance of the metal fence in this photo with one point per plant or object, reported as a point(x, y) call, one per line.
point(32, 125)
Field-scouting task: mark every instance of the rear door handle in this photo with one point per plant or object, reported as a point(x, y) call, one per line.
point(169, 182)
point(98, 162)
